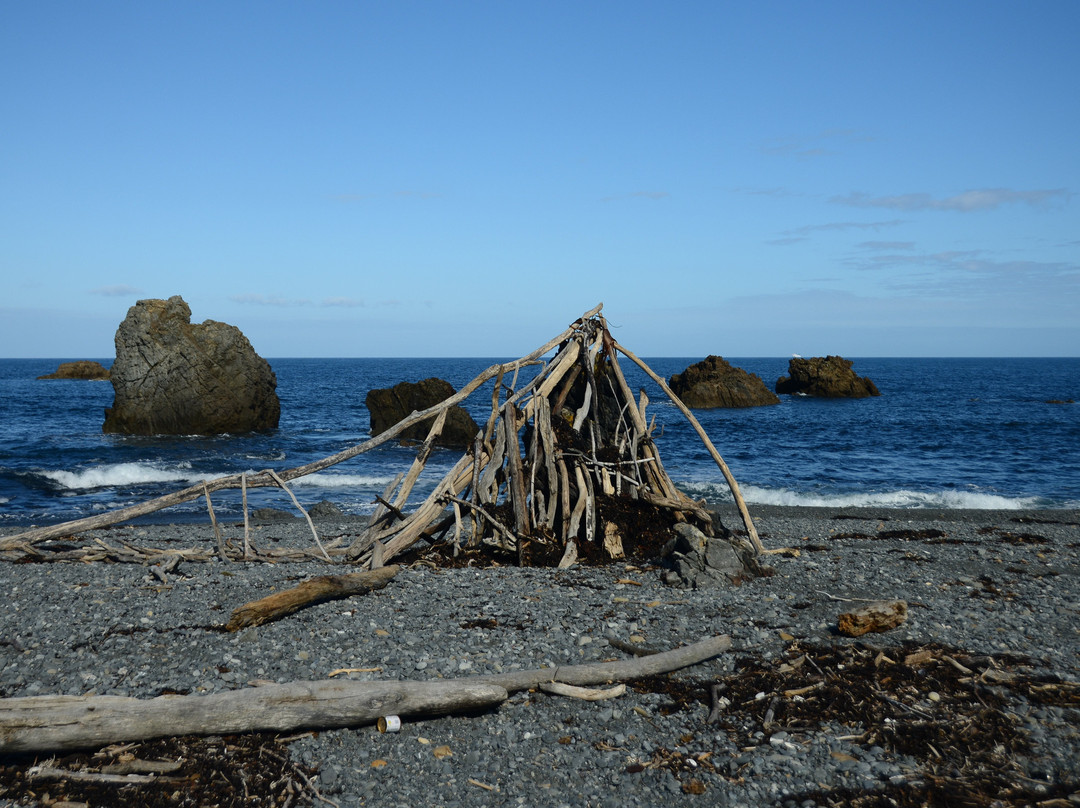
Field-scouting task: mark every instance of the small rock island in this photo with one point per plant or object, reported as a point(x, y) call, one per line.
point(171, 377)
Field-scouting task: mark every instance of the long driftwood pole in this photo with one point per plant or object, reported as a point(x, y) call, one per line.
point(599, 673)
point(731, 481)
point(63, 723)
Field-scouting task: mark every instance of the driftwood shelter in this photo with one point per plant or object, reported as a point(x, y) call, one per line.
point(557, 462)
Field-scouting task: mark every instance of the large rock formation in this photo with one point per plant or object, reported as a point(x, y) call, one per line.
point(174, 378)
point(83, 369)
point(713, 382)
point(390, 405)
point(825, 377)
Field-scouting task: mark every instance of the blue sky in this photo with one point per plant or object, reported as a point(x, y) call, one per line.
point(465, 179)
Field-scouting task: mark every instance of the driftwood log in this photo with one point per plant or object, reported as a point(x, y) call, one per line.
point(64, 723)
point(312, 591)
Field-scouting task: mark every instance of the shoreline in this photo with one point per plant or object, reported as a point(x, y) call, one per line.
point(997, 588)
point(728, 512)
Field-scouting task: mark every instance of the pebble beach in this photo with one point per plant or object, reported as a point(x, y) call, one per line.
point(1000, 589)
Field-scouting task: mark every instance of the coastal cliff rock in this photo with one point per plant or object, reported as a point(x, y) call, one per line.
point(390, 405)
point(83, 369)
point(171, 377)
point(825, 377)
point(713, 383)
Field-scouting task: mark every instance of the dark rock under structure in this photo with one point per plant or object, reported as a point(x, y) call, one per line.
point(83, 370)
point(172, 377)
point(825, 377)
point(713, 383)
point(390, 405)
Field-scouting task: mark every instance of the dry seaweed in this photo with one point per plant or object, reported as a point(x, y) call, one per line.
point(952, 711)
point(232, 771)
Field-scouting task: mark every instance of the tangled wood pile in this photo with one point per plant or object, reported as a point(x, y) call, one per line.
point(561, 466)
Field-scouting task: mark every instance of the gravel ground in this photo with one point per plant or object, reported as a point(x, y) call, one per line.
point(989, 583)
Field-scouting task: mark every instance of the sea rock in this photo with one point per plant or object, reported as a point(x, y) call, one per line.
point(697, 561)
point(82, 369)
point(825, 377)
point(171, 377)
point(390, 405)
point(713, 382)
point(325, 509)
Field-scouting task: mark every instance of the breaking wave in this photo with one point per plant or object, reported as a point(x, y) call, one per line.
point(122, 474)
point(950, 500)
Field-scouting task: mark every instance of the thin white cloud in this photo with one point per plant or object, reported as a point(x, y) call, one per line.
point(119, 290)
point(352, 198)
point(269, 300)
point(974, 274)
point(343, 302)
point(969, 201)
point(798, 234)
point(886, 245)
point(638, 195)
point(417, 195)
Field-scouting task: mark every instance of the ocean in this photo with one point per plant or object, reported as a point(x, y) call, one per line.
point(945, 433)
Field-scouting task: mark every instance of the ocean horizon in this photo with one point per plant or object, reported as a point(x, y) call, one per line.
point(990, 433)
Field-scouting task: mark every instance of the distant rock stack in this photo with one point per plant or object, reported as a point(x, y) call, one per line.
point(825, 377)
point(713, 383)
point(390, 405)
point(83, 370)
point(174, 378)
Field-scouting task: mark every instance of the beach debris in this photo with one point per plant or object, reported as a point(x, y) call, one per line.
point(310, 592)
point(583, 693)
point(229, 771)
point(65, 723)
point(878, 615)
point(951, 711)
point(565, 465)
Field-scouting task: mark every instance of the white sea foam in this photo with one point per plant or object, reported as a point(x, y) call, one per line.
point(341, 481)
point(120, 474)
point(880, 499)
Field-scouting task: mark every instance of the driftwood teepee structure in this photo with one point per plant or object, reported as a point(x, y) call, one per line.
point(558, 456)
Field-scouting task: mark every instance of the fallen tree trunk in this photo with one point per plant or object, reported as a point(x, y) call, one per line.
point(64, 723)
point(312, 591)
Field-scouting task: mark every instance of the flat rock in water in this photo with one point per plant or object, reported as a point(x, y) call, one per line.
point(83, 369)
